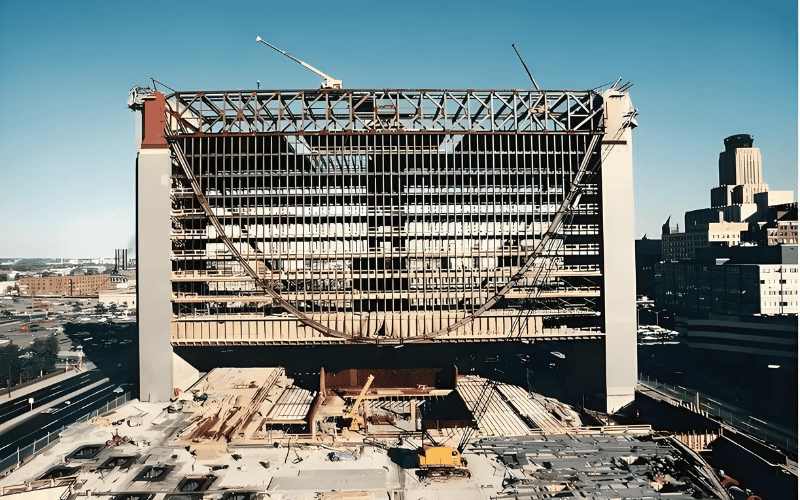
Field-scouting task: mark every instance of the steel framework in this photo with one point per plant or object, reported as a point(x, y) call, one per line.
point(385, 215)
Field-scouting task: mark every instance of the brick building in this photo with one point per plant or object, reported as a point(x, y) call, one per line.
point(65, 286)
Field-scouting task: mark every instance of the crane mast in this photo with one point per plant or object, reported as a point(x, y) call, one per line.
point(328, 82)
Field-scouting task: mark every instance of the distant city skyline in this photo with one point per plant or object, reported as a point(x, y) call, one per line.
point(700, 72)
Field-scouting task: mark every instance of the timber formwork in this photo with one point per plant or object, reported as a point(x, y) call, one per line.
point(335, 216)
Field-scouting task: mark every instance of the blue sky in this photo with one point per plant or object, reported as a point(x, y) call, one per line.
point(701, 71)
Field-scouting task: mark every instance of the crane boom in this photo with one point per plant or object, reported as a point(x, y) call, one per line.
point(327, 83)
point(358, 421)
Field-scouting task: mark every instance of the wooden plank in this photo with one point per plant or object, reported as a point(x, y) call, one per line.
point(499, 418)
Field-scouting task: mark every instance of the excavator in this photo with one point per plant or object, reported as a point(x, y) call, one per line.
point(442, 462)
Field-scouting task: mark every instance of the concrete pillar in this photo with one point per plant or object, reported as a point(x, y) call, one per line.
point(619, 270)
point(184, 375)
point(153, 249)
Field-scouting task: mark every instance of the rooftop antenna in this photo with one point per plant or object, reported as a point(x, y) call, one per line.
point(327, 83)
point(526, 68)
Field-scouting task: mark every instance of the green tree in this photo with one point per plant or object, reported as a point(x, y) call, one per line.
point(44, 354)
point(10, 363)
point(30, 365)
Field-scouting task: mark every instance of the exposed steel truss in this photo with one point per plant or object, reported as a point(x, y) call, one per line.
point(369, 111)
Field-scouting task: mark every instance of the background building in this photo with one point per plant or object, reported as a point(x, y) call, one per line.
point(65, 286)
point(342, 217)
point(648, 254)
point(740, 206)
point(739, 173)
point(743, 281)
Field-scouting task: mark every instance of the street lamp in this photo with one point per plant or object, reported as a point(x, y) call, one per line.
point(26, 355)
point(657, 313)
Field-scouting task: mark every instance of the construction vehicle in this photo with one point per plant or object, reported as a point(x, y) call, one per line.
point(436, 461)
point(327, 83)
point(442, 462)
point(356, 416)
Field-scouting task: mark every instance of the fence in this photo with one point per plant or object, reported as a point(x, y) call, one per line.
point(40, 444)
point(729, 414)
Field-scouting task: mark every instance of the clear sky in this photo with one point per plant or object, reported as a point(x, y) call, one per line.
point(701, 71)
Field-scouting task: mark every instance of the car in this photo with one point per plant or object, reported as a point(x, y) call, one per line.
point(57, 408)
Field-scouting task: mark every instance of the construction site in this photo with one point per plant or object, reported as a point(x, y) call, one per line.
point(402, 294)
point(397, 434)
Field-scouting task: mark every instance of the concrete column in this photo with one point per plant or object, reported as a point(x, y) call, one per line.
point(154, 270)
point(619, 273)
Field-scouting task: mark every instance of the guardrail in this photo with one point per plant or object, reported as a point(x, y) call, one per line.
point(726, 413)
point(40, 445)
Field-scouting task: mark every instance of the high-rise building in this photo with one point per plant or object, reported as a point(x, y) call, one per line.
point(739, 205)
point(739, 173)
point(318, 217)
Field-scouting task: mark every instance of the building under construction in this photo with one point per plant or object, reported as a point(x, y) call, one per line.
point(338, 216)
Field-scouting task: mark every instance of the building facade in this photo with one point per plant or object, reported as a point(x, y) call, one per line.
point(740, 177)
point(648, 254)
point(684, 245)
point(362, 216)
point(746, 281)
point(65, 286)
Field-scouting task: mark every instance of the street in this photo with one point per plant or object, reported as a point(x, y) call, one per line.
point(762, 403)
point(43, 423)
point(113, 350)
point(16, 406)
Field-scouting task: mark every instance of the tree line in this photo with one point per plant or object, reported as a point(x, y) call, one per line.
point(19, 365)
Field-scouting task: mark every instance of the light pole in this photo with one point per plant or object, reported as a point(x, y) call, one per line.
point(657, 313)
point(9, 375)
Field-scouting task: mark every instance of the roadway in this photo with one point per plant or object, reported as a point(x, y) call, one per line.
point(738, 396)
point(40, 424)
point(112, 348)
point(16, 406)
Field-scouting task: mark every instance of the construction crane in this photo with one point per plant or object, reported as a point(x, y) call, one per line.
point(355, 416)
point(438, 461)
point(327, 83)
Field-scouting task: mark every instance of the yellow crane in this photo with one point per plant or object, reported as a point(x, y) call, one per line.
point(357, 419)
point(439, 461)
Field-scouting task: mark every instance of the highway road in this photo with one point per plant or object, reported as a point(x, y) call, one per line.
point(16, 406)
point(753, 405)
point(112, 348)
point(43, 423)
point(781, 436)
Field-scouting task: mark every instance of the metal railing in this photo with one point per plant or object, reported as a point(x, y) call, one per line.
point(727, 413)
point(40, 445)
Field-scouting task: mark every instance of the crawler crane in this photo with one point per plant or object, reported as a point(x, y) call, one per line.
point(442, 462)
